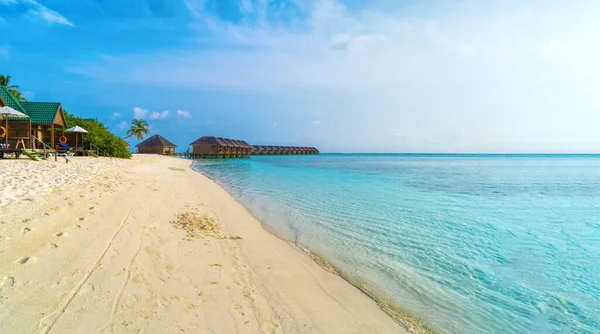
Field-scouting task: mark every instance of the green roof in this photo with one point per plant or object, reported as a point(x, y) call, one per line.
point(38, 112)
point(41, 112)
point(10, 100)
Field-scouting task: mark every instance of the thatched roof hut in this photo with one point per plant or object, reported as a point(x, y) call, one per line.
point(210, 146)
point(156, 144)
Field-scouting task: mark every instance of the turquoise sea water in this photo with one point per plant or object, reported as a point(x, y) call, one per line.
point(464, 243)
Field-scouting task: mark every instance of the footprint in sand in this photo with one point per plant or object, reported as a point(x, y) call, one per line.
point(77, 226)
point(25, 229)
point(4, 238)
point(52, 245)
point(58, 234)
point(240, 310)
point(22, 260)
point(81, 219)
point(7, 282)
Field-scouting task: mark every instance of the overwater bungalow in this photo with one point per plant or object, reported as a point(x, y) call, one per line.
point(239, 148)
point(156, 144)
point(245, 150)
point(217, 147)
point(257, 150)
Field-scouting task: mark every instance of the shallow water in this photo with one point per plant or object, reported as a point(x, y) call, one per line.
point(464, 243)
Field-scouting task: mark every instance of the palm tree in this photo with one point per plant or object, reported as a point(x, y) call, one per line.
point(138, 129)
point(13, 89)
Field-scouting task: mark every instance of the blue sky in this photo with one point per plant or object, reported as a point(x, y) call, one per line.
point(345, 76)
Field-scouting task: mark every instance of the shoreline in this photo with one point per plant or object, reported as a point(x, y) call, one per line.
point(112, 254)
point(403, 318)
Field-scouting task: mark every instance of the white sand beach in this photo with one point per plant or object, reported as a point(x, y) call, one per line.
point(148, 245)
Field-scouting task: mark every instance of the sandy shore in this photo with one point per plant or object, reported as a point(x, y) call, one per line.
point(24, 179)
point(151, 246)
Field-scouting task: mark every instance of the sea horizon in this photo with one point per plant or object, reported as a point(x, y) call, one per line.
point(449, 243)
point(461, 154)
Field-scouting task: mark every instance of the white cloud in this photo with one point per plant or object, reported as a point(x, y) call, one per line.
point(36, 9)
point(356, 43)
point(183, 114)
point(115, 115)
point(316, 123)
point(139, 113)
point(155, 115)
point(123, 125)
point(484, 75)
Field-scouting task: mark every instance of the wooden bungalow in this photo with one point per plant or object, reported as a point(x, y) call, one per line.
point(241, 148)
point(283, 150)
point(218, 147)
point(259, 150)
point(209, 146)
point(235, 147)
point(19, 128)
point(247, 148)
point(156, 144)
point(46, 122)
point(229, 147)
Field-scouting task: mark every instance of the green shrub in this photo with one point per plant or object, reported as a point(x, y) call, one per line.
point(99, 135)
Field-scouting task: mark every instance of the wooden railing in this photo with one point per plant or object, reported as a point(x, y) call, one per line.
point(98, 150)
point(48, 149)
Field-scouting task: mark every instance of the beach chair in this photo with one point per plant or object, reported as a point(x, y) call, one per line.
point(64, 149)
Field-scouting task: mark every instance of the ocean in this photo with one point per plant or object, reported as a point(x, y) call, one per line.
point(461, 243)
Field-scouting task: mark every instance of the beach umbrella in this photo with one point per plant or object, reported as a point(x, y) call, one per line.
point(6, 112)
point(77, 129)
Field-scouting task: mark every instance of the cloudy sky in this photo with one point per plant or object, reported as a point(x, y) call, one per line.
point(346, 76)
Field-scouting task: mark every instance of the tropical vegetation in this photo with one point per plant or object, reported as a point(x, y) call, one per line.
point(138, 129)
point(13, 89)
point(98, 134)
